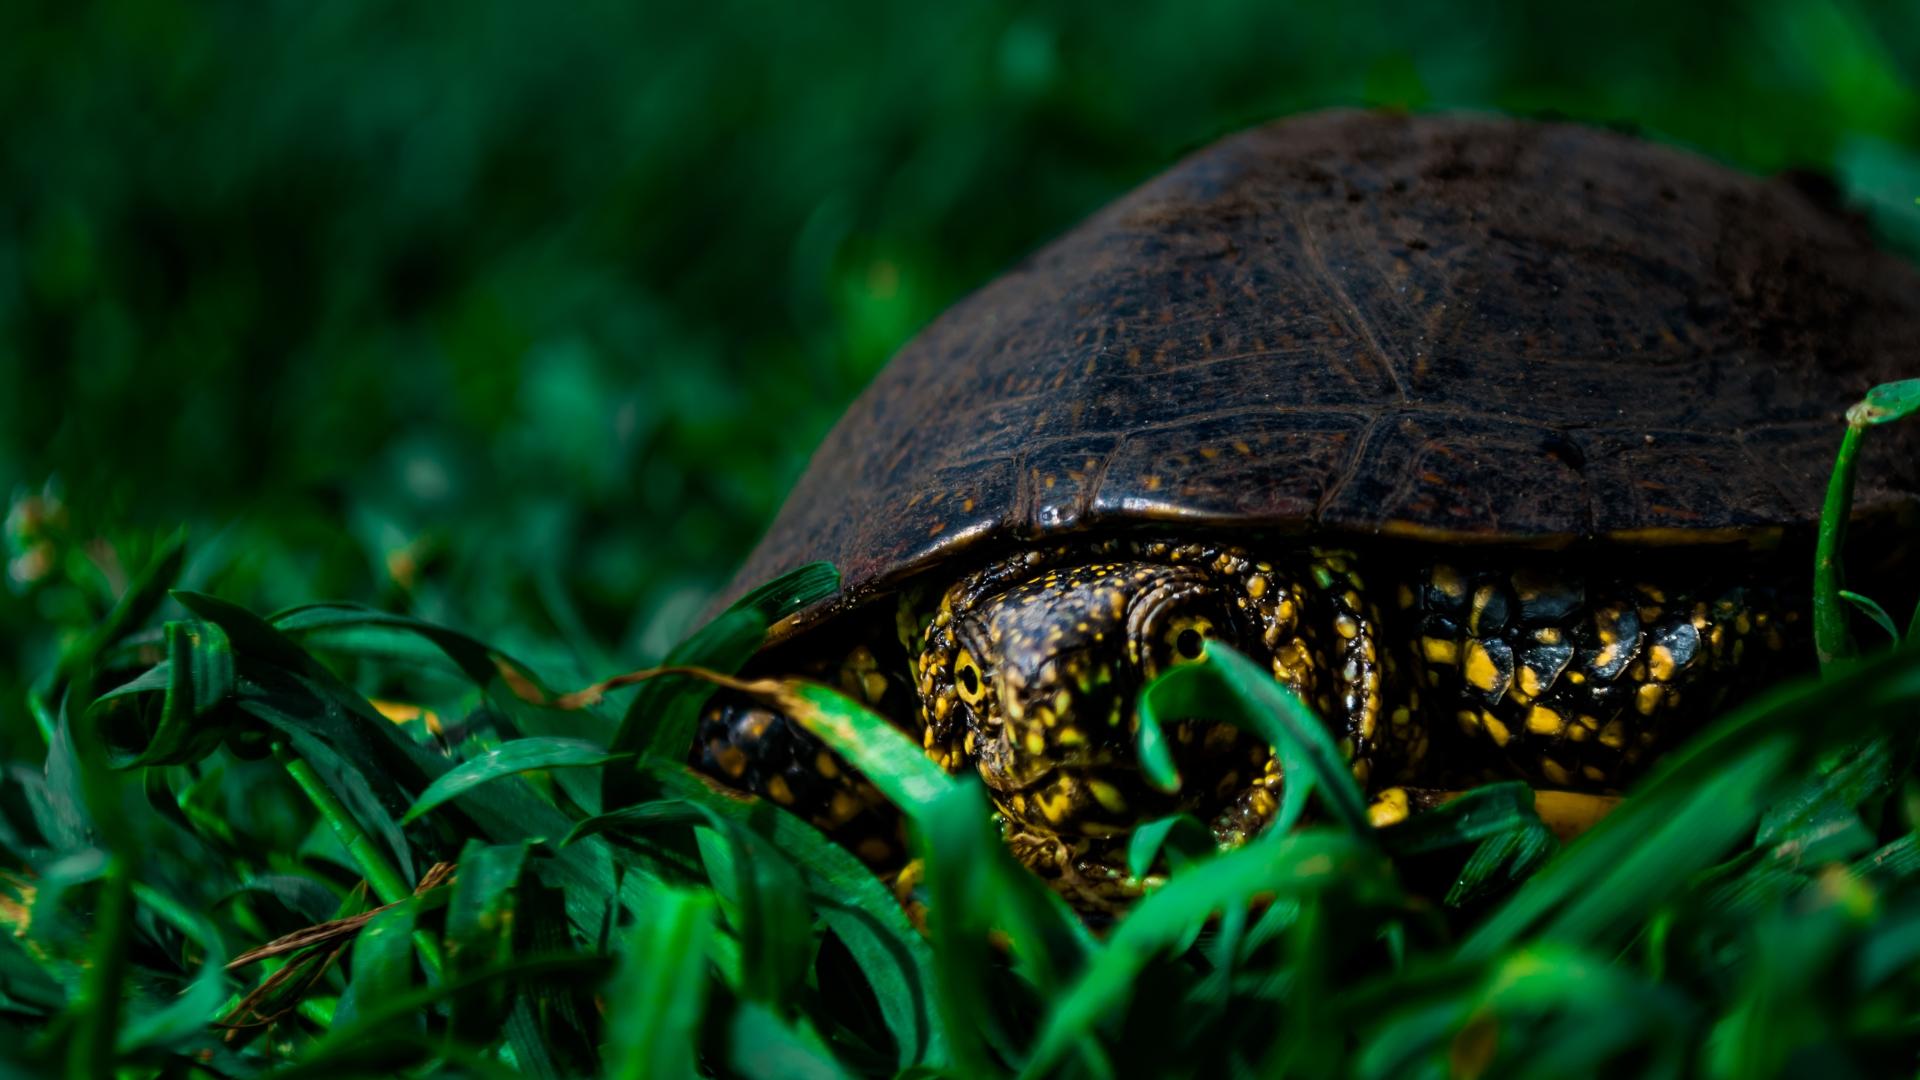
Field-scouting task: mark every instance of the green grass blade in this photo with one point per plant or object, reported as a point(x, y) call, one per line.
point(761, 1046)
point(1703, 797)
point(96, 1009)
point(893, 763)
point(1884, 404)
point(856, 906)
point(381, 962)
point(196, 680)
point(1182, 836)
point(759, 891)
point(480, 929)
point(509, 759)
point(662, 717)
point(386, 882)
point(182, 1021)
point(1872, 610)
point(1487, 811)
point(657, 996)
point(1229, 687)
point(1285, 866)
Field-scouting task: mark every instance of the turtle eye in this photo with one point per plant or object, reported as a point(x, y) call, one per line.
point(967, 678)
point(1187, 637)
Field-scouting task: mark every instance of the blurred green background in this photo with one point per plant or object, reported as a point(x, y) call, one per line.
point(523, 317)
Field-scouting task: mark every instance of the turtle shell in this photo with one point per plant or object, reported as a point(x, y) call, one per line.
point(1449, 328)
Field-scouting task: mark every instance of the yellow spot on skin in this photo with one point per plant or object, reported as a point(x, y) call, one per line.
point(1576, 733)
point(731, 761)
point(1481, 598)
point(1404, 597)
point(1544, 721)
point(1440, 650)
point(1647, 698)
point(1447, 580)
point(1529, 682)
point(824, 765)
point(1153, 483)
point(842, 808)
point(1660, 663)
point(1036, 743)
point(1256, 587)
point(874, 850)
point(1576, 678)
point(1390, 807)
point(1742, 624)
point(1346, 626)
point(1593, 772)
point(1495, 728)
point(1614, 735)
point(1547, 636)
point(1555, 772)
point(1108, 796)
point(1481, 671)
point(778, 790)
point(875, 686)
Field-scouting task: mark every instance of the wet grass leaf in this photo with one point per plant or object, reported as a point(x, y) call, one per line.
point(658, 994)
point(508, 759)
point(1231, 688)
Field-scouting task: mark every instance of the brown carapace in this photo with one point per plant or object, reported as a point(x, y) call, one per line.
point(1499, 442)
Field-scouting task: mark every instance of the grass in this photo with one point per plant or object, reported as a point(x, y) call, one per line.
point(240, 857)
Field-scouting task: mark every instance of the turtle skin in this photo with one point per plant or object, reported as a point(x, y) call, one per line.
point(1568, 399)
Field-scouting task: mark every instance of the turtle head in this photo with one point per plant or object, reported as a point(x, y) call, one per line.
point(1034, 684)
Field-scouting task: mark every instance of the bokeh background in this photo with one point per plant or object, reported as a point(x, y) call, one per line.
point(523, 317)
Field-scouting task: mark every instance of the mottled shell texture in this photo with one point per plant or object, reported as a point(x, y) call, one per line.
point(1451, 328)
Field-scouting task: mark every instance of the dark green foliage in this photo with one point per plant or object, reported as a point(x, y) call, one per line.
point(1751, 908)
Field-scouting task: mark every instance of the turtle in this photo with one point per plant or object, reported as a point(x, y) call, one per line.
point(1498, 441)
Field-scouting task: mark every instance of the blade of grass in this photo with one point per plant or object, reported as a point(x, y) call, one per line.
point(657, 997)
point(1285, 866)
point(759, 889)
point(661, 719)
point(855, 905)
point(479, 938)
point(386, 882)
point(1229, 687)
point(1699, 800)
point(516, 756)
point(382, 962)
point(762, 1046)
point(1872, 610)
point(96, 1008)
point(1884, 404)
